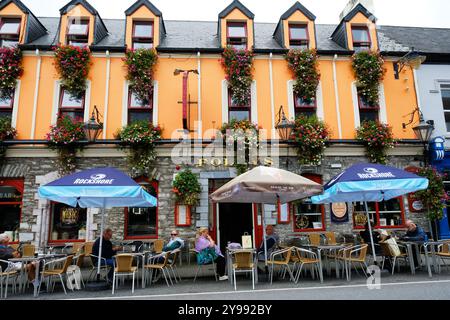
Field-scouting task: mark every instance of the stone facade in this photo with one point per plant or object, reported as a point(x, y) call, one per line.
point(38, 171)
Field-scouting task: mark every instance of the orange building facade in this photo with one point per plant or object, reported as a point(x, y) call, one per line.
point(190, 45)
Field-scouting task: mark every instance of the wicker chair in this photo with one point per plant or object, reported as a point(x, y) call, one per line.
point(154, 264)
point(331, 238)
point(123, 267)
point(444, 251)
point(49, 271)
point(314, 239)
point(158, 245)
point(28, 250)
point(281, 258)
point(243, 261)
point(354, 255)
point(303, 257)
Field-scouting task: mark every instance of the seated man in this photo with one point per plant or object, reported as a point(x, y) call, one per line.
point(7, 252)
point(414, 233)
point(175, 242)
point(108, 251)
point(271, 243)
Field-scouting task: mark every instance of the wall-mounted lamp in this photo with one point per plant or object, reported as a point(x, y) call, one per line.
point(284, 126)
point(412, 59)
point(93, 127)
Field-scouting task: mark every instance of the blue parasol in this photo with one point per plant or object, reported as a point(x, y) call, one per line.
point(98, 188)
point(370, 182)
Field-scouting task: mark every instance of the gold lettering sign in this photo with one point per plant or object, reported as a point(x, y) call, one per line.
point(360, 218)
point(69, 216)
point(217, 162)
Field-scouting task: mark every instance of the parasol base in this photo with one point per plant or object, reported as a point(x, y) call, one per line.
point(98, 285)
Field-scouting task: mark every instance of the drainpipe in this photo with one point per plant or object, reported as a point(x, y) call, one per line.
point(108, 73)
point(336, 93)
point(272, 102)
point(36, 94)
point(199, 99)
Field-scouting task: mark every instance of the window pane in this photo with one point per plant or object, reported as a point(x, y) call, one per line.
point(143, 30)
point(80, 44)
point(447, 121)
point(298, 32)
point(390, 213)
point(360, 35)
point(70, 101)
point(5, 102)
point(76, 115)
point(10, 43)
point(136, 103)
point(142, 45)
point(10, 213)
point(300, 102)
point(240, 115)
point(368, 115)
point(308, 215)
point(78, 29)
point(10, 26)
point(142, 221)
point(446, 99)
point(241, 46)
point(236, 31)
point(299, 46)
point(67, 223)
point(305, 112)
point(140, 115)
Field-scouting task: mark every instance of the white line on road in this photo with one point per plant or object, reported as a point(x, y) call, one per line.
point(258, 291)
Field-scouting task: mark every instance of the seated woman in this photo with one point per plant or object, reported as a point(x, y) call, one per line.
point(377, 236)
point(208, 251)
point(175, 242)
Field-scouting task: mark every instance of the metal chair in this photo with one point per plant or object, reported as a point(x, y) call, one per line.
point(351, 255)
point(5, 275)
point(49, 271)
point(243, 261)
point(123, 266)
point(158, 245)
point(172, 263)
point(201, 266)
point(281, 258)
point(305, 257)
point(444, 252)
point(28, 250)
point(314, 239)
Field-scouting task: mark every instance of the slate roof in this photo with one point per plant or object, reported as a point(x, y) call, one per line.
point(203, 35)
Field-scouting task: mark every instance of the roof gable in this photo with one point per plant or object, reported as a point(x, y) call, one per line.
point(18, 3)
point(359, 9)
point(74, 3)
point(236, 5)
point(141, 3)
point(301, 8)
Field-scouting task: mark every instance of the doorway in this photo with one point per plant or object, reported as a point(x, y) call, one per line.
point(234, 220)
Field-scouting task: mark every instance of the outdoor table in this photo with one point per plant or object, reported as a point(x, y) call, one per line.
point(425, 245)
point(319, 250)
point(230, 262)
point(38, 259)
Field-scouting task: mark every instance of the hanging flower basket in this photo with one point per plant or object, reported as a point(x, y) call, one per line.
point(65, 137)
point(187, 188)
point(10, 71)
point(304, 67)
point(7, 132)
point(369, 71)
point(311, 136)
point(140, 140)
point(140, 66)
point(238, 66)
point(73, 64)
point(434, 197)
point(377, 138)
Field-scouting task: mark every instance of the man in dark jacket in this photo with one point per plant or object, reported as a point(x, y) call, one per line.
point(414, 233)
point(108, 251)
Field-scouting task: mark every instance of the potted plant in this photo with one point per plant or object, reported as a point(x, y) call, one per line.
point(377, 138)
point(7, 132)
point(140, 139)
point(65, 137)
point(186, 188)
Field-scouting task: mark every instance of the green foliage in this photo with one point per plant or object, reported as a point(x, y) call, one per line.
point(7, 132)
point(10, 70)
point(434, 197)
point(238, 66)
point(187, 188)
point(140, 69)
point(73, 64)
point(304, 66)
point(377, 138)
point(311, 136)
point(140, 138)
point(368, 69)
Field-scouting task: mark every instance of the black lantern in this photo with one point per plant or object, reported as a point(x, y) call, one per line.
point(284, 126)
point(93, 127)
point(423, 131)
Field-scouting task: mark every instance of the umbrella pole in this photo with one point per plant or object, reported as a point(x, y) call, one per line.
point(264, 236)
point(370, 233)
point(101, 242)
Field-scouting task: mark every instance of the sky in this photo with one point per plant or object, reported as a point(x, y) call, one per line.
point(419, 13)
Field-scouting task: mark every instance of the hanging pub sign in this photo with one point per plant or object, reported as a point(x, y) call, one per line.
point(69, 216)
point(339, 212)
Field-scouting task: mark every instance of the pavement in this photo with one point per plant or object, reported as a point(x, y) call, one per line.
point(400, 286)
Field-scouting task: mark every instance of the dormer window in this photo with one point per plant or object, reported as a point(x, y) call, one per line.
point(142, 35)
point(9, 32)
point(298, 36)
point(78, 32)
point(361, 39)
point(237, 35)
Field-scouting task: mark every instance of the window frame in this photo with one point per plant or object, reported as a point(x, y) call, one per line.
point(247, 108)
point(11, 104)
point(319, 179)
point(135, 39)
point(62, 110)
point(301, 42)
point(155, 185)
point(361, 44)
point(19, 184)
point(237, 23)
point(84, 39)
point(10, 36)
point(143, 109)
point(445, 87)
point(377, 217)
point(367, 110)
point(298, 108)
